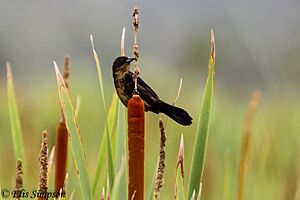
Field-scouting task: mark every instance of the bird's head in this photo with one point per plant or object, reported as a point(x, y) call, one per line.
point(122, 63)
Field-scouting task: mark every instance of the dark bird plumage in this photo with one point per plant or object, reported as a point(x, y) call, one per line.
point(124, 84)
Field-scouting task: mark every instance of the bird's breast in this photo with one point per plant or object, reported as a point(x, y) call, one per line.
point(123, 89)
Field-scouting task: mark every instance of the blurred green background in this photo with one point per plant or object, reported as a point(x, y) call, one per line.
point(257, 47)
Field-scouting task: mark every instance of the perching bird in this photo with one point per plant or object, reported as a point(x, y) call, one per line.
point(124, 84)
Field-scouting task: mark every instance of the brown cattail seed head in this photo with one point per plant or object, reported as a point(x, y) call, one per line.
point(136, 140)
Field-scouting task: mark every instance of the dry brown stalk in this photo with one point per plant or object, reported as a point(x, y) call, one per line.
point(136, 23)
point(19, 180)
point(43, 158)
point(180, 165)
point(180, 160)
point(123, 42)
point(176, 99)
point(161, 165)
point(245, 146)
point(178, 92)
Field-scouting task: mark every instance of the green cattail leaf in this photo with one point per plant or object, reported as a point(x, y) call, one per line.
point(73, 129)
point(198, 158)
point(112, 123)
point(111, 118)
point(117, 182)
point(100, 163)
point(179, 184)
point(151, 189)
point(121, 149)
point(111, 169)
point(14, 118)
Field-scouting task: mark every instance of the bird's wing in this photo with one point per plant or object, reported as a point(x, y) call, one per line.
point(144, 88)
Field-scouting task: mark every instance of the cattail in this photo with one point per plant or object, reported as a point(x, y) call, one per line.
point(19, 180)
point(136, 134)
point(61, 154)
point(161, 165)
point(43, 158)
point(136, 129)
point(61, 143)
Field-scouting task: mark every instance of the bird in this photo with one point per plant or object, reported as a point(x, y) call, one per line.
point(125, 85)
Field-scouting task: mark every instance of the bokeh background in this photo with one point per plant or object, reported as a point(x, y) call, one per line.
point(257, 47)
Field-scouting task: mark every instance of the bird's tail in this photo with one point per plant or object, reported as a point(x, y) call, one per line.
point(177, 114)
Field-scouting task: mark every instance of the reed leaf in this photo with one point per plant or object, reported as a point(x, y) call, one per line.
point(14, 118)
point(180, 186)
point(111, 118)
point(121, 149)
point(117, 183)
point(151, 189)
point(1, 195)
point(73, 129)
point(198, 157)
point(111, 169)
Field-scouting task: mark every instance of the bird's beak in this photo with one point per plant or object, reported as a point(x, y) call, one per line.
point(129, 60)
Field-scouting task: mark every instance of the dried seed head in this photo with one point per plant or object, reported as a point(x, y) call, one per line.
point(67, 70)
point(43, 158)
point(135, 16)
point(61, 155)
point(19, 180)
point(161, 165)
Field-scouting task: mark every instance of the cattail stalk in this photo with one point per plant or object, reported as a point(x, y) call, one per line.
point(136, 23)
point(43, 158)
point(136, 129)
point(136, 140)
point(245, 147)
point(61, 143)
